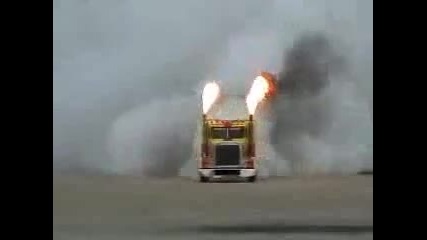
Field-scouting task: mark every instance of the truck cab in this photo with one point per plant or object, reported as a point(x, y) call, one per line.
point(227, 150)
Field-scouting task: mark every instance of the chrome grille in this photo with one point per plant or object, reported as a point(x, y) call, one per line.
point(227, 155)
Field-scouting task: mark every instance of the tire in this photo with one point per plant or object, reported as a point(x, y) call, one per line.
point(203, 179)
point(252, 179)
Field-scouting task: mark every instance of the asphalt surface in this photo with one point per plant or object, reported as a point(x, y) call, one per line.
point(278, 208)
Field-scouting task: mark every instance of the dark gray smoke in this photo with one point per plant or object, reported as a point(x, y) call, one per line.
point(302, 110)
point(308, 66)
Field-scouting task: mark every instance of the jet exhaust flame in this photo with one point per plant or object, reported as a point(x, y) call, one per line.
point(257, 93)
point(209, 95)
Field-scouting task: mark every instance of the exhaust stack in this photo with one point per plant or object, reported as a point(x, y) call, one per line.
point(205, 137)
point(251, 144)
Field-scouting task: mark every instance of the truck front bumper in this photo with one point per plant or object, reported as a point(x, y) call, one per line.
point(220, 173)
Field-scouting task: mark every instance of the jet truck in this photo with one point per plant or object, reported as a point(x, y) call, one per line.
point(228, 147)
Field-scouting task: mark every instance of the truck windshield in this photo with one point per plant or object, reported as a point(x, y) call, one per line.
point(228, 133)
point(219, 133)
point(236, 132)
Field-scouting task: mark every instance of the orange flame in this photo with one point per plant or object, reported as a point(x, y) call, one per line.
point(209, 96)
point(258, 91)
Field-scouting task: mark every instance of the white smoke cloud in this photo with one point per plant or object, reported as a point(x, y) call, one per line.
point(111, 56)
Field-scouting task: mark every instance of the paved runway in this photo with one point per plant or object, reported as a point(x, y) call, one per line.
point(101, 207)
